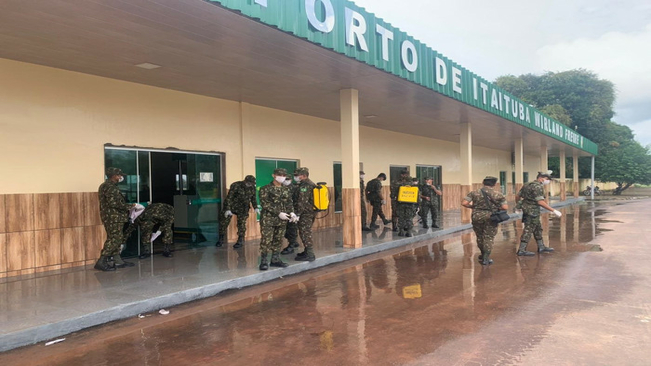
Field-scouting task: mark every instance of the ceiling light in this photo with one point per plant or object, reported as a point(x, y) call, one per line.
point(148, 66)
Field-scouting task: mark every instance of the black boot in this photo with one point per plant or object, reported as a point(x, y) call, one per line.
point(401, 232)
point(167, 253)
point(374, 226)
point(294, 244)
point(542, 248)
point(485, 260)
point(277, 262)
point(119, 263)
point(522, 251)
point(220, 241)
point(395, 226)
point(408, 233)
point(386, 222)
point(366, 228)
point(240, 242)
point(306, 256)
point(287, 250)
point(144, 255)
point(103, 264)
point(264, 265)
point(425, 226)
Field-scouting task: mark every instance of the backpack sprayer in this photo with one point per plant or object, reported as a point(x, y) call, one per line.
point(321, 198)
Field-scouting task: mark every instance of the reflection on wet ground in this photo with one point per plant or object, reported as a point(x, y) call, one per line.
point(404, 307)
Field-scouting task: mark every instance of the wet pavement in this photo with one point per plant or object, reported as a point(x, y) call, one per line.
point(430, 303)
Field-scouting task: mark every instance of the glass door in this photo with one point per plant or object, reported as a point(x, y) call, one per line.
point(190, 182)
point(264, 168)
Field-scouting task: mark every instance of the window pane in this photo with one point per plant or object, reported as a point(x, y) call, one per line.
point(337, 175)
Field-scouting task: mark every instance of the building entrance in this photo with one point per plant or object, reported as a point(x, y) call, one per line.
point(190, 182)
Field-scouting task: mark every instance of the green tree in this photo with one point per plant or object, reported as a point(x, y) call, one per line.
point(626, 164)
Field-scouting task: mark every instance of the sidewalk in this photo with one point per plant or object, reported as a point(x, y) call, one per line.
point(40, 307)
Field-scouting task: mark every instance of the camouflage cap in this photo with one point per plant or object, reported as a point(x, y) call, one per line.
point(547, 175)
point(280, 171)
point(249, 179)
point(361, 172)
point(404, 172)
point(303, 171)
point(296, 171)
point(113, 171)
point(428, 178)
point(490, 178)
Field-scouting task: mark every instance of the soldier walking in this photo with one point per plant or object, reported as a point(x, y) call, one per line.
point(156, 214)
point(374, 196)
point(114, 212)
point(362, 200)
point(530, 198)
point(395, 188)
point(406, 210)
point(241, 196)
point(304, 208)
point(276, 212)
point(483, 202)
point(429, 195)
point(291, 234)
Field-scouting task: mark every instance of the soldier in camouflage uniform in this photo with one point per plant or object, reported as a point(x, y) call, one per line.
point(241, 196)
point(291, 234)
point(374, 196)
point(406, 210)
point(429, 196)
point(277, 209)
point(304, 208)
point(395, 188)
point(530, 198)
point(363, 201)
point(160, 214)
point(485, 229)
point(114, 212)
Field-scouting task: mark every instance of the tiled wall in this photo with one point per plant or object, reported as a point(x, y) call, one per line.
point(41, 232)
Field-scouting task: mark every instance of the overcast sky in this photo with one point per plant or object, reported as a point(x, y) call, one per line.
point(499, 37)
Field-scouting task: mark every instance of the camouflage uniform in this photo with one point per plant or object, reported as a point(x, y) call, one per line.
point(406, 211)
point(274, 200)
point(363, 202)
point(395, 188)
point(291, 234)
point(240, 196)
point(374, 196)
point(484, 228)
point(304, 207)
point(530, 194)
point(429, 206)
point(114, 212)
point(160, 214)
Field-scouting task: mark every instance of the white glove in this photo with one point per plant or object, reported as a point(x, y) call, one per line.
point(557, 213)
point(384, 202)
point(293, 217)
point(283, 216)
point(257, 211)
point(228, 213)
point(155, 235)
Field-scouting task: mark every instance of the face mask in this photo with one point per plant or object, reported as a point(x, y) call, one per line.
point(121, 179)
point(280, 179)
point(546, 182)
point(287, 182)
point(297, 179)
point(362, 176)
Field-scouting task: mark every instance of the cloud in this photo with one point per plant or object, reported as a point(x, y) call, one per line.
point(624, 59)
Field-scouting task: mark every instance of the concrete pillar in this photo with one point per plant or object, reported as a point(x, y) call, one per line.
point(592, 178)
point(352, 230)
point(519, 164)
point(561, 156)
point(575, 174)
point(466, 167)
point(544, 166)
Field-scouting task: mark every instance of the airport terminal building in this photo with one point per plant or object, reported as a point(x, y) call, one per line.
point(188, 96)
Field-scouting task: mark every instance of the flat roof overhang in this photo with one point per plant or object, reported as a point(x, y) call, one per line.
point(212, 51)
